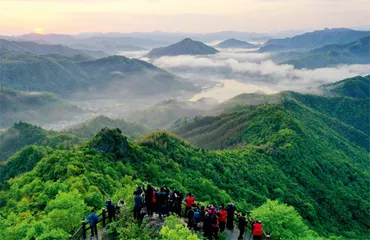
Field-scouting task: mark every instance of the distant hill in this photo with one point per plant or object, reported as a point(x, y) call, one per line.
point(106, 42)
point(45, 49)
point(272, 48)
point(29, 72)
point(357, 52)
point(64, 76)
point(133, 76)
point(23, 134)
point(90, 127)
point(34, 107)
point(234, 43)
point(163, 114)
point(356, 87)
point(311, 40)
point(184, 47)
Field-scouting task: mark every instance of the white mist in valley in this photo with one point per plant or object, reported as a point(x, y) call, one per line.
point(229, 88)
point(256, 70)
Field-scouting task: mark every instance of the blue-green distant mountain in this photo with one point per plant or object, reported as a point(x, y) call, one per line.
point(311, 40)
point(184, 47)
point(46, 49)
point(234, 43)
point(356, 87)
point(357, 52)
point(272, 48)
point(64, 76)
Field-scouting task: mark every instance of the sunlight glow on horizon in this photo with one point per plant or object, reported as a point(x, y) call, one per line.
point(39, 31)
point(21, 16)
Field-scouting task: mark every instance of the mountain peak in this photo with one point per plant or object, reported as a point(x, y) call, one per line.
point(186, 46)
point(235, 43)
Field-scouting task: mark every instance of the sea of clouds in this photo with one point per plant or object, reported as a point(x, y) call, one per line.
point(249, 66)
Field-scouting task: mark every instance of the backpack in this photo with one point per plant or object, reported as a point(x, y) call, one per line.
point(196, 216)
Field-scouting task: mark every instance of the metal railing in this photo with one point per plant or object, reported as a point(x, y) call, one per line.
point(81, 233)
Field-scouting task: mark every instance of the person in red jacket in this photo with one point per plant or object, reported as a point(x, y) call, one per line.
point(257, 230)
point(189, 200)
point(222, 218)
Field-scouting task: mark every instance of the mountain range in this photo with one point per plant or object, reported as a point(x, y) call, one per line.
point(315, 39)
point(64, 76)
point(234, 43)
point(46, 49)
point(185, 47)
point(357, 52)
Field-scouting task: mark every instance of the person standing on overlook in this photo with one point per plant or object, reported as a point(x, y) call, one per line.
point(93, 220)
point(222, 218)
point(148, 200)
point(242, 224)
point(189, 200)
point(257, 230)
point(230, 216)
point(162, 202)
point(111, 210)
point(138, 203)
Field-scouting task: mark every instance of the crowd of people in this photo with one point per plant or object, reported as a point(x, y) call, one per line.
point(208, 219)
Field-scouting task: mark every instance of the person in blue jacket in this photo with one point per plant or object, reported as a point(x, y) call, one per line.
point(93, 220)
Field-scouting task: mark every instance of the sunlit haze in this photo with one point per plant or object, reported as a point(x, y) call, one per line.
point(17, 17)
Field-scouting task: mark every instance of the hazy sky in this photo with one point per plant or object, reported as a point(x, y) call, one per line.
point(72, 16)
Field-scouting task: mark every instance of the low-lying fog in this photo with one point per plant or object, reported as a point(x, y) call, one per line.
point(223, 76)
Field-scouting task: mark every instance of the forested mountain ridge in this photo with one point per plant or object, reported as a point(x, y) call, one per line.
point(357, 52)
point(82, 178)
point(22, 134)
point(356, 87)
point(340, 114)
point(185, 47)
point(64, 76)
point(34, 107)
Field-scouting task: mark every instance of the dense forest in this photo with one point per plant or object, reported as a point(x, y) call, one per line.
point(309, 152)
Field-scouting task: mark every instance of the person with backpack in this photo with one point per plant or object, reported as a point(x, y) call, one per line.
point(162, 202)
point(189, 200)
point(111, 210)
point(257, 230)
point(230, 216)
point(190, 216)
point(138, 204)
point(93, 220)
point(148, 200)
point(243, 222)
point(222, 218)
point(196, 218)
